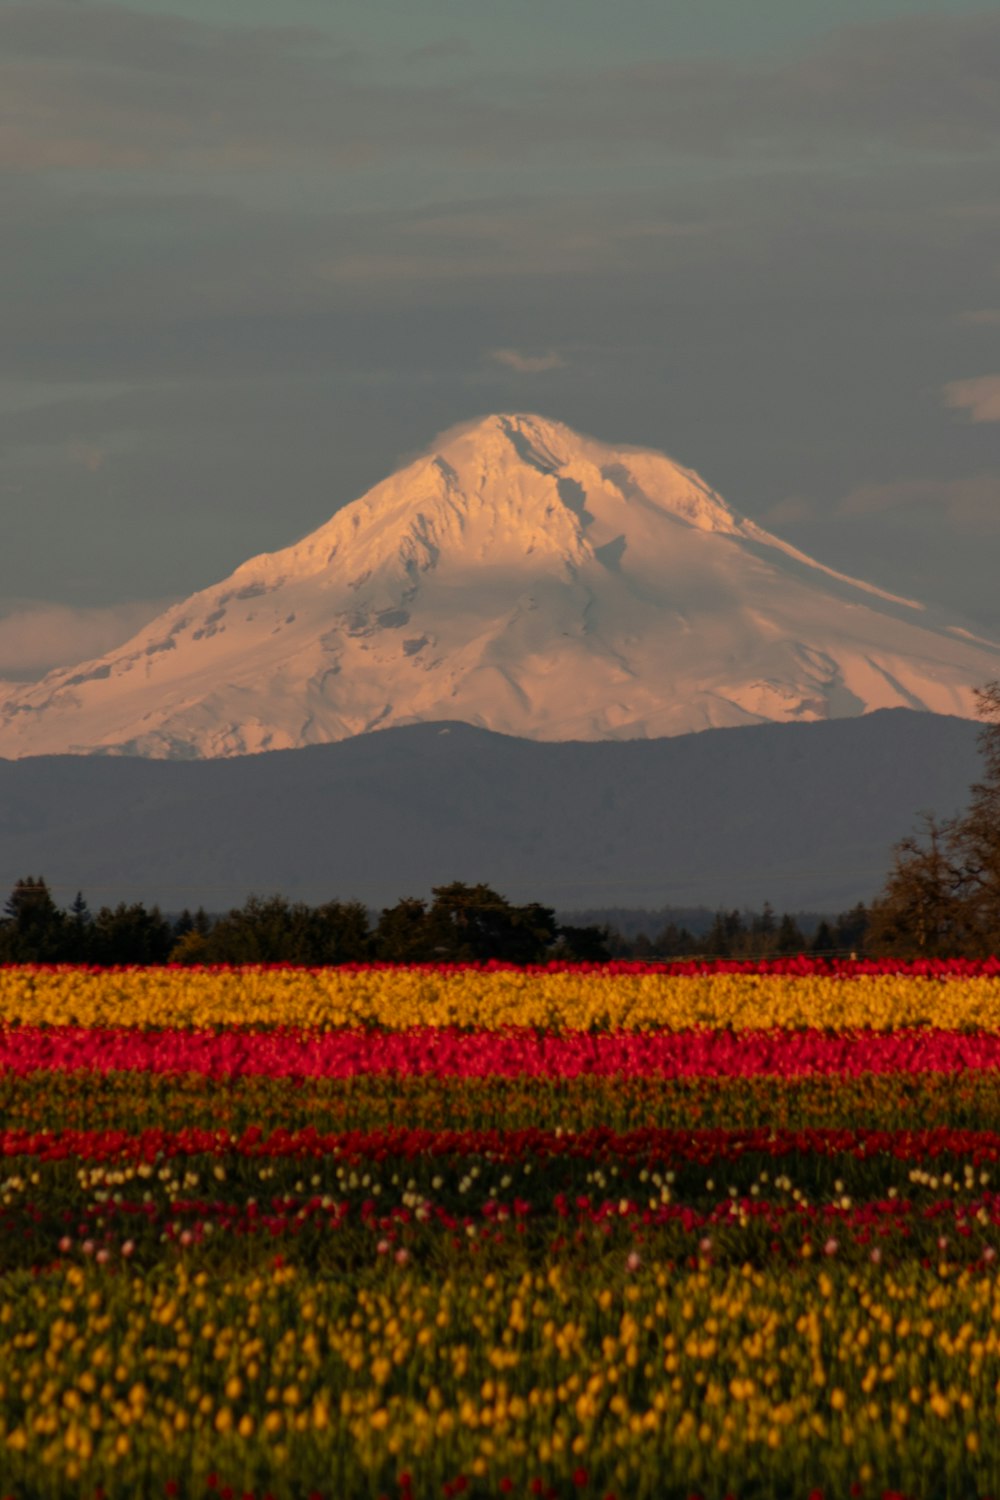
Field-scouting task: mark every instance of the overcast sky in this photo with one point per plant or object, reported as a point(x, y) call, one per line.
point(246, 266)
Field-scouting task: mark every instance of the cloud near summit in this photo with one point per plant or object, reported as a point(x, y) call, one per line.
point(526, 364)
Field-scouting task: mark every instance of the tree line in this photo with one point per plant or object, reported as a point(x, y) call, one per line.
point(749, 934)
point(463, 923)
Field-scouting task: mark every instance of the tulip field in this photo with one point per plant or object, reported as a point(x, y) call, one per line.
point(644, 1232)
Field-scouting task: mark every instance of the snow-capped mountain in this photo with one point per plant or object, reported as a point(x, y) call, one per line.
point(522, 578)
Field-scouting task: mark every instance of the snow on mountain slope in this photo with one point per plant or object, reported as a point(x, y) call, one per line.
point(522, 578)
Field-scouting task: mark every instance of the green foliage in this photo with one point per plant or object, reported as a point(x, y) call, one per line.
point(468, 924)
point(129, 935)
point(401, 933)
point(270, 929)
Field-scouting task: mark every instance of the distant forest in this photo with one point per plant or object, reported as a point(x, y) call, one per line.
point(941, 899)
point(462, 923)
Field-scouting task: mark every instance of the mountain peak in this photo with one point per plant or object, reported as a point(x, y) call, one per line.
point(521, 577)
point(490, 447)
point(543, 434)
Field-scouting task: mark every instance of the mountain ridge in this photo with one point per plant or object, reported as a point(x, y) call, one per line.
point(803, 815)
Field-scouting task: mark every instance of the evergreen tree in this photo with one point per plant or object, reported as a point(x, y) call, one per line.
point(190, 937)
point(265, 929)
point(824, 940)
point(129, 934)
point(618, 945)
point(852, 929)
point(271, 929)
point(642, 947)
point(30, 904)
point(341, 934)
point(183, 924)
point(788, 938)
point(33, 929)
point(582, 945)
point(765, 931)
point(77, 931)
point(674, 942)
point(726, 935)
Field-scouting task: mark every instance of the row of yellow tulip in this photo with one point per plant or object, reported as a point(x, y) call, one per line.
point(637, 1379)
point(490, 1000)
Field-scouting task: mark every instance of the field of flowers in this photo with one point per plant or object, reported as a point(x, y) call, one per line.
point(595, 1232)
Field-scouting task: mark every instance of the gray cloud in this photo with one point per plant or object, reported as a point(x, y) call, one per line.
point(103, 86)
point(446, 50)
point(915, 81)
point(37, 635)
point(99, 85)
point(970, 503)
point(127, 284)
point(979, 397)
point(526, 364)
point(253, 346)
point(96, 85)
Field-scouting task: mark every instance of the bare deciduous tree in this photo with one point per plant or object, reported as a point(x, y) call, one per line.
point(942, 896)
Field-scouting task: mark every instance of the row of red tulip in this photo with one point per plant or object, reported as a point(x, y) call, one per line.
point(651, 1145)
point(798, 964)
point(454, 1052)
